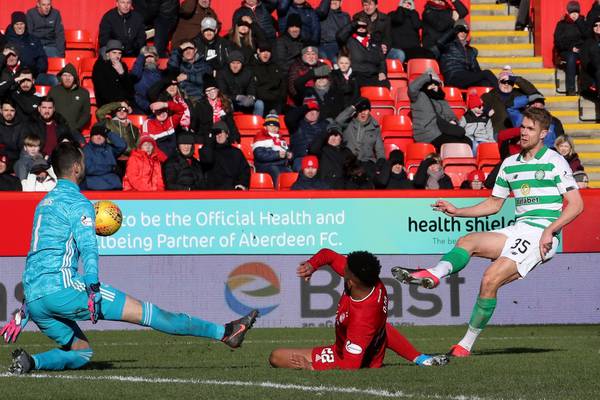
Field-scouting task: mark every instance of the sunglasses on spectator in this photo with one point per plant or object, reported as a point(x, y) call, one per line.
point(161, 110)
point(188, 48)
point(596, 25)
point(11, 54)
point(506, 82)
point(122, 109)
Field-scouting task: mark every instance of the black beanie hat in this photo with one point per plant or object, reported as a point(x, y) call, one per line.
point(18, 16)
point(294, 20)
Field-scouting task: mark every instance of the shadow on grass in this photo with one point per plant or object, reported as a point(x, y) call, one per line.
point(513, 350)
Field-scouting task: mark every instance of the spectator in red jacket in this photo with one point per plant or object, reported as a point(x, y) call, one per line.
point(144, 167)
point(167, 117)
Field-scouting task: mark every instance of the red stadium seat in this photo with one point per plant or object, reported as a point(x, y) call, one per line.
point(395, 70)
point(86, 129)
point(396, 126)
point(75, 56)
point(459, 112)
point(262, 182)
point(458, 173)
point(390, 144)
point(162, 63)
point(327, 62)
point(402, 99)
point(457, 154)
point(79, 39)
point(379, 113)
point(283, 129)
point(379, 96)
point(137, 119)
point(55, 64)
point(286, 180)
point(248, 125)
point(90, 89)
point(415, 153)
point(197, 147)
point(406, 112)
point(42, 90)
point(488, 156)
point(129, 61)
point(479, 90)
point(416, 66)
point(86, 66)
point(454, 97)
point(396, 84)
point(246, 147)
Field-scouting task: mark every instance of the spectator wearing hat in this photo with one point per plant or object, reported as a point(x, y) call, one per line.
point(145, 73)
point(501, 97)
point(167, 89)
point(592, 16)
point(41, 177)
point(30, 49)
point(111, 77)
point(459, 64)
point(332, 18)
point(536, 100)
point(308, 61)
point(393, 174)
point(212, 108)
point(439, 17)
point(182, 171)
point(125, 25)
point(70, 99)
point(30, 152)
point(11, 125)
point(344, 79)
point(213, 47)
point(311, 27)
point(271, 152)
point(357, 176)
point(115, 117)
point(190, 67)
point(9, 65)
point(333, 155)
point(144, 167)
point(45, 23)
point(379, 28)
point(236, 82)
point(225, 166)
point(245, 35)
point(163, 125)
point(8, 182)
point(289, 45)
point(405, 31)
point(269, 78)
point(101, 154)
point(22, 92)
point(191, 15)
point(362, 133)
point(309, 178)
point(477, 124)
point(475, 180)
point(569, 35)
point(317, 83)
point(430, 174)
point(590, 62)
point(305, 127)
point(260, 11)
point(565, 147)
point(368, 61)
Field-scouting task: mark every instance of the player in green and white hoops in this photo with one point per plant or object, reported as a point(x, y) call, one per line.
point(540, 180)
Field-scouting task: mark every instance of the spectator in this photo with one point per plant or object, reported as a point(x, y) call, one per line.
point(214, 107)
point(362, 134)
point(439, 17)
point(162, 127)
point(332, 154)
point(115, 117)
point(45, 23)
point(536, 100)
point(40, 178)
point(30, 49)
point(288, 46)
point(145, 73)
point(344, 79)
point(332, 19)
point(191, 68)
point(167, 89)
point(9, 63)
point(356, 175)
point(214, 48)
point(110, 76)
point(430, 174)
point(433, 120)
point(329, 97)
point(393, 175)
point(125, 25)
point(592, 16)
point(10, 131)
point(244, 36)
point(23, 93)
point(31, 151)
point(305, 127)
point(477, 124)
point(379, 27)
point(311, 27)
point(590, 63)
point(144, 168)
point(71, 100)
point(309, 60)
point(582, 179)
point(225, 165)
point(271, 152)
point(237, 83)
point(191, 15)
point(405, 31)
point(101, 159)
point(269, 78)
point(160, 15)
point(569, 35)
point(500, 98)
point(565, 147)
point(2, 41)
point(368, 61)
point(308, 178)
point(259, 11)
point(474, 181)
point(459, 62)
point(182, 171)
point(8, 182)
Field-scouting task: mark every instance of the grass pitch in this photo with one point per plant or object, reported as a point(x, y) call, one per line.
point(524, 362)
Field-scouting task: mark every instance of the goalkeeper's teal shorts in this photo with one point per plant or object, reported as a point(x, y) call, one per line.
point(56, 314)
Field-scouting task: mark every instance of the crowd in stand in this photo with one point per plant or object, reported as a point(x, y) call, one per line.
point(302, 73)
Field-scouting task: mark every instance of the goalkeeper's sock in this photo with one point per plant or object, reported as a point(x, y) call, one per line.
point(481, 315)
point(58, 360)
point(452, 262)
point(399, 344)
point(180, 323)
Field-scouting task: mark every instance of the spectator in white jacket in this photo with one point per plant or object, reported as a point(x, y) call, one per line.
point(41, 177)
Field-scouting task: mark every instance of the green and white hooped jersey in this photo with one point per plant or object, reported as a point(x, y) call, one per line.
point(537, 184)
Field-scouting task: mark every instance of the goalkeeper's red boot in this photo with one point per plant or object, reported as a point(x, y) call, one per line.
point(22, 362)
point(420, 277)
point(458, 351)
point(235, 331)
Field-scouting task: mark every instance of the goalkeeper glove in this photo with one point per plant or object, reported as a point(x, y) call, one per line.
point(94, 301)
point(11, 331)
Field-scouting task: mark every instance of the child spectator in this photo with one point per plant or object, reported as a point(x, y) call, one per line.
point(144, 168)
point(478, 126)
point(161, 128)
point(271, 154)
point(430, 174)
point(8, 182)
point(308, 178)
point(41, 177)
point(474, 181)
point(101, 159)
point(31, 151)
point(565, 147)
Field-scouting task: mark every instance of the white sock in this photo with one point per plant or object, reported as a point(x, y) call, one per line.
point(470, 337)
point(441, 269)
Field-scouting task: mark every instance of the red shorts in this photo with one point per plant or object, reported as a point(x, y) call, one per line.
point(323, 355)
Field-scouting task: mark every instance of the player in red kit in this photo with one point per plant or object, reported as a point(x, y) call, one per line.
point(361, 328)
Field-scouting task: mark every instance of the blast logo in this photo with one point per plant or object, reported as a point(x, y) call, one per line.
point(252, 286)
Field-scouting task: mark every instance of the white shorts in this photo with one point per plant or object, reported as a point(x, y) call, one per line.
point(523, 246)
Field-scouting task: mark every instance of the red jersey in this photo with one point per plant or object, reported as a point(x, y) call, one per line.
point(360, 337)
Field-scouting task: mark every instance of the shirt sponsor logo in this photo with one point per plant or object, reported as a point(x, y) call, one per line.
point(527, 200)
point(86, 221)
point(353, 348)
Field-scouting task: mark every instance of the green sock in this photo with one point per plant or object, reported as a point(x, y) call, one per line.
point(482, 312)
point(458, 258)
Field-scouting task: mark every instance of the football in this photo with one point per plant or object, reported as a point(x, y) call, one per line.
point(108, 217)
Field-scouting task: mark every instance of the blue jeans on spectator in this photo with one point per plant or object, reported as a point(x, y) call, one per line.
point(52, 51)
point(570, 69)
point(257, 109)
point(396, 54)
point(329, 51)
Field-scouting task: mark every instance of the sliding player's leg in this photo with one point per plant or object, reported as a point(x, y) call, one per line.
point(400, 345)
point(291, 358)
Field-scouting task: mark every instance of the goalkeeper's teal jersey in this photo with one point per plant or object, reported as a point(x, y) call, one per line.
point(63, 231)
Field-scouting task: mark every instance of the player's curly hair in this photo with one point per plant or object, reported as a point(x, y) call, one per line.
point(365, 266)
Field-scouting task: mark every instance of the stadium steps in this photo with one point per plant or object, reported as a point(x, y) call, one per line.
point(498, 36)
point(531, 74)
point(505, 50)
point(491, 9)
point(593, 172)
point(517, 62)
point(493, 22)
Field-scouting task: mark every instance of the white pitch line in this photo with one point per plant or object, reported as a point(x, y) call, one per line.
point(263, 385)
